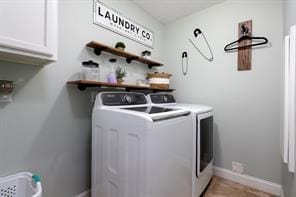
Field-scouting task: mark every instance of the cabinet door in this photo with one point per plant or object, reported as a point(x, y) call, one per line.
point(29, 26)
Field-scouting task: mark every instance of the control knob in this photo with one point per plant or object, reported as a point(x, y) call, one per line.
point(127, 99)
point(165, 99)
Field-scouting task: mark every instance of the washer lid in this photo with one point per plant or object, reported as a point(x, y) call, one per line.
point(156, 113)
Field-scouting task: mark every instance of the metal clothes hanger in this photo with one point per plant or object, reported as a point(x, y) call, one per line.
point(256, 41)
point(184, 58)
point(196, 32)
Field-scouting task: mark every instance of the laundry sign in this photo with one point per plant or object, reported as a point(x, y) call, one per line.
point(116, 22)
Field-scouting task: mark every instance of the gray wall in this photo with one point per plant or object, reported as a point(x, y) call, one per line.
point(288, 179)
point(46, 129)
point(246, 103)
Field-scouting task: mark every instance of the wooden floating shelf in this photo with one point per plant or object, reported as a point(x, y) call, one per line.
point(99, 47)
point(82, 85)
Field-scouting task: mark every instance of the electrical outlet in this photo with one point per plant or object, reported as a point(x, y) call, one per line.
point(237, 167)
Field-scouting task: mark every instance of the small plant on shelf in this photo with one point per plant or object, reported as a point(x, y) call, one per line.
point(120, 73)
point(120, 45)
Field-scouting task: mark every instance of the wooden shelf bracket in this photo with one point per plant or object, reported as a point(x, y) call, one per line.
point(130, 59)
point(151, 65)
point(81, 87)
point(98, 50)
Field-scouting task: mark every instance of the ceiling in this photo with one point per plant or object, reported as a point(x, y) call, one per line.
point(169, 10)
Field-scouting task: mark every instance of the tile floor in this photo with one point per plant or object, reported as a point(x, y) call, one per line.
point(220, 187)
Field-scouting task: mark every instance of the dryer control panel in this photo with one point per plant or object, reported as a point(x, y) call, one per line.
point(162, 98)
point(123, 98)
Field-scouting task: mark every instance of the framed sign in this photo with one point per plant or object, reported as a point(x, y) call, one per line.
point(116, 22)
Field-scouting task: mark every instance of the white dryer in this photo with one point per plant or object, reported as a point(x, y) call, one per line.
point(202, 155)
point(139, 150)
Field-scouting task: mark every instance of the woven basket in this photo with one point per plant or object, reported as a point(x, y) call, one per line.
point(158, 82)
point(159, 75)
point(160, 86)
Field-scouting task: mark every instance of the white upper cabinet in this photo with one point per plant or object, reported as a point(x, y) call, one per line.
point(28, 31)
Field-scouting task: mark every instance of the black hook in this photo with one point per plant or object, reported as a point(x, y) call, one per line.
point(244, 29)
point(184, 54)
point(196, 32)
point(112, 60)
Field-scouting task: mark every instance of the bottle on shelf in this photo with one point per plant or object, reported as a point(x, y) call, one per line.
point(111, 77)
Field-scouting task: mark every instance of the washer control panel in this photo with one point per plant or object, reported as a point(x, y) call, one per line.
point(127, 99)
point(123, 98)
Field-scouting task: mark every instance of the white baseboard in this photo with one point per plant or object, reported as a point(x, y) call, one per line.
point(260, 184)
point(86, 193)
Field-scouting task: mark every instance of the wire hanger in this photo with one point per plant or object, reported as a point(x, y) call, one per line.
point(184, 58)
point(256, 41)
point(196, 32)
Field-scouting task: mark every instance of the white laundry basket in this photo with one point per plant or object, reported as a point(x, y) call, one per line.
point(23, 184)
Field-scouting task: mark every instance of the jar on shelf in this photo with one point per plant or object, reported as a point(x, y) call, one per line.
point(90, 71)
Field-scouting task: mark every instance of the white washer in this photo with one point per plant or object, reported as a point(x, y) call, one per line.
point(202, 121)
point(139, 150)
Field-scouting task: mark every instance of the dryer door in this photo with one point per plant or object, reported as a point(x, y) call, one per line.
point(204, 139)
